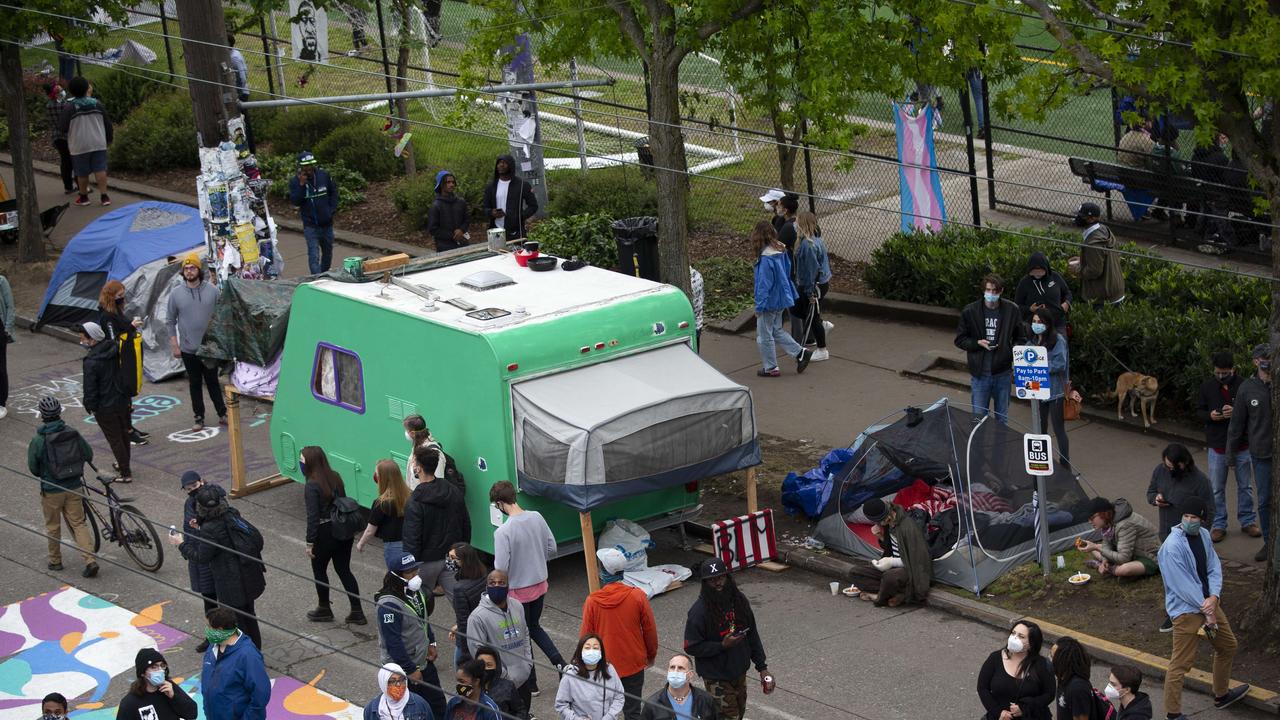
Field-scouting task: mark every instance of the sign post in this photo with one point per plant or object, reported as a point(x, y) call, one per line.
point(1031, 382)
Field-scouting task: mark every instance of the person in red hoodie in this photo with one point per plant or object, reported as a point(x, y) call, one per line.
point(621, 616)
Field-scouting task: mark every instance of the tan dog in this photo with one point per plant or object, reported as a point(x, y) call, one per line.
point(1138, 388)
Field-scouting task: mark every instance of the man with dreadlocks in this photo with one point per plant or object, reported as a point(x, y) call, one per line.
point(720, 633)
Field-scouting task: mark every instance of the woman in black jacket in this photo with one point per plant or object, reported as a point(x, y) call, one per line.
point(237, 581)
point(471, 575)
point(323, 485)
point(153, 696)
point(500, 689)
point(1017, 678)
point(124, 333)
point(1175, 481)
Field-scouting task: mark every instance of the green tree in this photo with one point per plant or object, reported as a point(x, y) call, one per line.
point(1213, 61)
point(39, 17)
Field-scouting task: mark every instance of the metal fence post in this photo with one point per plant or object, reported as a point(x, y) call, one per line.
point(991, 172)
point(808, 164)
point(386, 61)
point(164, 28)
point(268, 55)
point(577, 116)
point(973, 164)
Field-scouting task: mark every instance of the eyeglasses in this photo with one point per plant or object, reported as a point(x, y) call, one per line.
point(398, 680)
point(158, 666)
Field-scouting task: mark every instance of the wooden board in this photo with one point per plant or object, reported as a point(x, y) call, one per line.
point(377, 265)
point(770, 565)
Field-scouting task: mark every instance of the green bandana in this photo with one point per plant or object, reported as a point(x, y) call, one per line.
point(217, 637)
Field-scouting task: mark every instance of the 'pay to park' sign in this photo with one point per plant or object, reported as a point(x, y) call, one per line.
point(1031, 372)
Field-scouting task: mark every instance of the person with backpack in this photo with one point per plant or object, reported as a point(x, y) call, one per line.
point(201, 574)
point(405, 636)
point(222, 541)
point(1076, 699)
point(333, 520)
point(419, 435)
point(436, 517)
point(386, 517)
point(106, 396)
point(57, 455)
point(125, 334)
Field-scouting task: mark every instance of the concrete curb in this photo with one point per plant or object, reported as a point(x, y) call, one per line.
point(1100, 649)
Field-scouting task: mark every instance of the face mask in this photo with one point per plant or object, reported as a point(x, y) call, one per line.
point(1224, 379)
point(413, 584)
point(591, 656)
point(767, 207)
point(395, 692)
point(991, 297)
point(1015, 644)
point(408, 436)
point(1038, 328)
point(302, 467)
point(450, 564)
point(217, 637)
point(498, 594)
point(156, 677)
point(490, 675)
point(1264, 366)
point(1112, 693)
point(1191, 527)
point(51, 716)
point(464, 690)
point(1081, 222)
point(676, 679)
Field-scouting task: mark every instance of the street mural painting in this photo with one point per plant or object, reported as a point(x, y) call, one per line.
point(67, 390)
point(290, 700)
point(147, 406)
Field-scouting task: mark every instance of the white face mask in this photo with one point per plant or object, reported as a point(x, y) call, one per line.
point(591, 656)
point(1112, 693)
point(1015, 644)
point(408, 436)
point(413, 584)
point(676, 679)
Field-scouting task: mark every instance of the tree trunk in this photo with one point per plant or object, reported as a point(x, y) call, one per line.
point(667, 141)
point(30, 239)
point(204, 37)
point(402, 104)
point(786, 154)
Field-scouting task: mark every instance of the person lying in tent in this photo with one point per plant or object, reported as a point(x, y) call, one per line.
point(904, 570)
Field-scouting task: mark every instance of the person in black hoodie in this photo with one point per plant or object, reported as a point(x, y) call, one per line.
point(988, 330)
point(237, 581)
point(200, 574)
point(448, 219)
point(500, 689)
point(1175, 482)
point(324, 485)
point(721, 634)
point(1122, 687)
point(153, 696)
point(105, 394)
point(1214, 406)
point(435, 519)
point(508, 199)
point(1043, 288)
point(470, 577)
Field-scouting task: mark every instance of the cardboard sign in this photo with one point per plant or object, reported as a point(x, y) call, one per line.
point(745, 540)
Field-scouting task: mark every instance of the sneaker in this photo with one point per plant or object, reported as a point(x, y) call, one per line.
point(204, 645)
point(802, 360)
point(142, 433)
point(69, 191)
point(1262, 554)
point(828, 325)
point(356, 617)
point(222, 420)
point(198, 426)
point(820, 354)
point(769, 373)
point(1232, 696)
point(320, 614)
point(81, 201)
point(1167, 625)
point(90, 570)
point(4, 411)
point(1217, 534)
point(55, 566)
point(106, 199)
point(136, 439)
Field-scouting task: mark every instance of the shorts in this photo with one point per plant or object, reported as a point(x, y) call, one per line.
point(1148, 564)
point(86, 164)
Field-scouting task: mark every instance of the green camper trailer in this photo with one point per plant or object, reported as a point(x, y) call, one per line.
point(581, 387)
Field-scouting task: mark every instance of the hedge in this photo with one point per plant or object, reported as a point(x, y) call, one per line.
point(299, 128)
point(617, 192)
point(159, 135)
point(1170, 323)
point(362, 148)
point(586, 235)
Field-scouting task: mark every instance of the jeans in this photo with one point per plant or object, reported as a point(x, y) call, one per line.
point(988, 388)
point(975, 91)
point(197, 373)
point(1262, 476)
point(1244, 488)
point(392, 551)
point(328, 549)
point(319, 247)
point(533, 618)
point(769, 331)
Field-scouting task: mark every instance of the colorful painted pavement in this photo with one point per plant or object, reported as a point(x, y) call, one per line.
point(74, 643)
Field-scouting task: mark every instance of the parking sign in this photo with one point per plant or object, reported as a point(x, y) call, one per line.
point(1031, 372)
point(1037, 450)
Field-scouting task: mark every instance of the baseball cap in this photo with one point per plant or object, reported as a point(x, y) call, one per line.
point(189, 478)
point(773, 195)
point(306, 158)
point(1089, 209)
point(712, 568)
point(612, 560)
point(405, 563)
point(1262, 350)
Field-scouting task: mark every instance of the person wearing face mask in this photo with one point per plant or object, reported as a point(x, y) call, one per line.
point(233, 679)
point(904, 570)
point(1016, 681)
point(1129, 541)
point(405, 636)
point(1043, 288)
point(1251, 421)
point(590, 688)
point(1192, 576)
point(237, 583)
point(498, 687)
point(105, 394)
point(988, 330)
point(471, 701)
point(720, 633)
point(1122, 690)
point(435, 518)
point(396, 701)
point(499, 622)
point(621, 614)
point(521, 548)
point(324, 486)
point(153, 696)
point(679, 699)
point(1175, 483)
point(1101, 278)
point(771, 206)
point(470, 578)
point(1044, 334)
point(200, 573)
point(1215, 406)
point(190, 309)
point(386, 516)
point(53, 707)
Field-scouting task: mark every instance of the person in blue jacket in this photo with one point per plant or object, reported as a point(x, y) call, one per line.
point(396, 700)
point(1044, 334)
point(234, 682)
point(315, 195)
point(471, 702)
point(775, 294)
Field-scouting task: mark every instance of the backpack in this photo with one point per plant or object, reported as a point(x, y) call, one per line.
point(64, 455)
point(245, 538)
point(344, 518)
point(451, 472)
point(1105, 710)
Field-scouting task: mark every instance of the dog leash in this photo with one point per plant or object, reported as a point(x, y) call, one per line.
point(1113, 357)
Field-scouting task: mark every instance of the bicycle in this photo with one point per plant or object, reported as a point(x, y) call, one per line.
point(122, 524)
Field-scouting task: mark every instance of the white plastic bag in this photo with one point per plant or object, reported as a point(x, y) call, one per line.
point(656, 579)
point(630, 539)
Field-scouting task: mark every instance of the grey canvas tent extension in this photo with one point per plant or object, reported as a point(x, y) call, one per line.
point(965, 481)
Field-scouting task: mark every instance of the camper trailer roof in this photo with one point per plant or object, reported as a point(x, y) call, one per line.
point(532, 296)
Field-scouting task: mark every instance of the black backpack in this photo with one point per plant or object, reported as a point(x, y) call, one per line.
point(451, 472)
point(344, 518)
point(64, 455)
point(245, 538)
point(1105, 710)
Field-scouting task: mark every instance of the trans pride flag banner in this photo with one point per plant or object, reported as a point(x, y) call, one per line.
point(919, 189)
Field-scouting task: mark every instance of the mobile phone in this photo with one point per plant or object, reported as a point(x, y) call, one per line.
point(741, 631)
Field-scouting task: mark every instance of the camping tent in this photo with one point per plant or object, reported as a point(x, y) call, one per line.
point(965, 480)
point(135, 244)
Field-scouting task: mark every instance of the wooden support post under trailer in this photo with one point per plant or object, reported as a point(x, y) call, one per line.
point(240, 488)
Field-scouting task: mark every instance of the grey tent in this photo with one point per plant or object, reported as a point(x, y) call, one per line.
point(965, 480)
point(613, 430)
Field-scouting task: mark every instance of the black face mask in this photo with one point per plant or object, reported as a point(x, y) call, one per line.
point(1081, 221)
point(490, 675)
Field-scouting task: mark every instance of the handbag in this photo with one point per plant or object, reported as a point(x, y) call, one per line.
point(1070, 406)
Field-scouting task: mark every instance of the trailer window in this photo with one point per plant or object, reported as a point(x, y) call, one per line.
point(676, 443)
point(545, 457)
point(337, 377)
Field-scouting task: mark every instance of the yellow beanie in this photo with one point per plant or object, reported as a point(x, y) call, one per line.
point(191, 259)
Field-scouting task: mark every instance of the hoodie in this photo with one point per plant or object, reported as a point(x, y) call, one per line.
point(1133, 536)
point(1051, 291)
point(774, 290)
point(189, 310)
point(36, 458)
point(234, 682)
point(622, 617)
point(317, 200)
point(520, 203)
point(590, 698)
point(503, 693)
point(465, 595)
point(1214, 394)
point(1101, 279)
point(104, 383)
point(434, 519)
point(155, 705)
point(1139, 709)
point(448, 213)
point(505, 630)
point(86, 125)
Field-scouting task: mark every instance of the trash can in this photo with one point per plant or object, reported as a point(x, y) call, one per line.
point(644, 153)
point(637, 240)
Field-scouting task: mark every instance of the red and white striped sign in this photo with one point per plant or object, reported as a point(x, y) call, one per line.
point(745, 540)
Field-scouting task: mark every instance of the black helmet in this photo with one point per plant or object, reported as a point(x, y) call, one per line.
point(50, 408)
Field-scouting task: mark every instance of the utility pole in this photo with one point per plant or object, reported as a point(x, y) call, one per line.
point(204, 49)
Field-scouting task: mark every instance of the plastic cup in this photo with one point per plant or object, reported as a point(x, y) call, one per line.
point(835, 588)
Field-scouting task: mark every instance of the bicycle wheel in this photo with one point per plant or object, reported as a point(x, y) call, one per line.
point(140, 539)
point(93, 526)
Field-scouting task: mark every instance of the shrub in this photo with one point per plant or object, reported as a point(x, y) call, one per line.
point(728, 286)
point(413, 197)
point(587, 235)
point(280, 168)
point(302, 128)
point(613, 192)
point(161, 134)
point(361, 148)
point(122, 92)
point(1171, 322)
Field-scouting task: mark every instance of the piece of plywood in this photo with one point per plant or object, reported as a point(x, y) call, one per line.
point(382, 264)
point(770, 565)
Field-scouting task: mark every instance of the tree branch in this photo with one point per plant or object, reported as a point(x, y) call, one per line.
point(1103, 15)
point(712, 27)
point(1088, 60)
point(630, 25)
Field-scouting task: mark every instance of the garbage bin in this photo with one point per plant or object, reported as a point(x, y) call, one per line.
point(637, 240)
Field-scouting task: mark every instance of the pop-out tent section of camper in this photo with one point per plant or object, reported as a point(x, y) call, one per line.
point(967, 485)
point(136, 244)
point(616, 429)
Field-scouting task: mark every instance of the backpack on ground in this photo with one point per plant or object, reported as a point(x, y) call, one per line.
point(344, 518)
point(64, 455)
point(1105, 710)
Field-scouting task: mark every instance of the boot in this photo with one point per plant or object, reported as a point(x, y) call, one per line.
point(322, 613)
point(356, 617)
